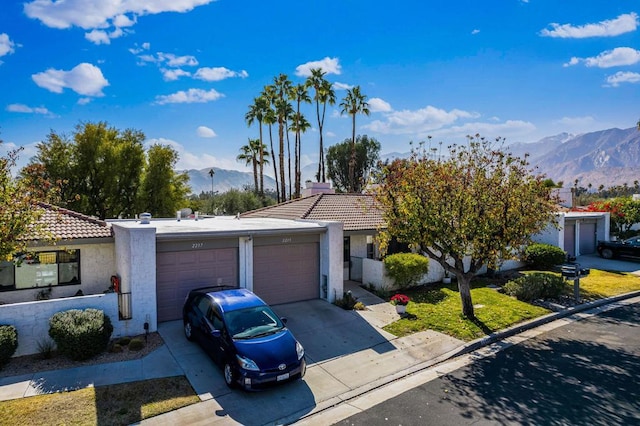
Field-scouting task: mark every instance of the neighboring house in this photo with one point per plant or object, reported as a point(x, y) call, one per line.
point(158, 261)
point(577, 232)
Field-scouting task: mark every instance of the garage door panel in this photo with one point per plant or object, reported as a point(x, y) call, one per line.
point(179, 272)
point(286, 273)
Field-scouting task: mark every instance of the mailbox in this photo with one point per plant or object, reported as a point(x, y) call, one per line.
point(571, 270)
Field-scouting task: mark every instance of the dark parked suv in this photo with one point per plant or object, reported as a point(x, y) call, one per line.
point(244, 336)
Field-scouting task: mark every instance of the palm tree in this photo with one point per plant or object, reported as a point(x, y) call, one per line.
point(269, 118)
point(353, 103)
point(249, 156)
point(299, 124)
point(282, 85)
point(256, 112)
point(298, 94)
point(324, 94)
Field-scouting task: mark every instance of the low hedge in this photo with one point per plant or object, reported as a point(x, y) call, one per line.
point(80, 334)
point(406, 269)
point(8, 343)
point(544, 256)
point(537, 285)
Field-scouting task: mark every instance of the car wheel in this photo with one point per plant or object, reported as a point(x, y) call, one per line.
point(188, 330)
point(607, 253)
point(229, 375)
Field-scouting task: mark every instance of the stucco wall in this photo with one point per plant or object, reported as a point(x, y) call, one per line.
point(136, 265)
point(358, 245)
point(331, 251)
point(31, 319)
point(97, 264)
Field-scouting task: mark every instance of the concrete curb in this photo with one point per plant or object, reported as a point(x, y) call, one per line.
point(464, 349)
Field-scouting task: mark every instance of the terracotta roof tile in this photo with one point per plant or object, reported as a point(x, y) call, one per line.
point(69, 225)
point(357, 212)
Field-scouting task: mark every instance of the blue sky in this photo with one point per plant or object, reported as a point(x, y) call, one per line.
point(185, 71)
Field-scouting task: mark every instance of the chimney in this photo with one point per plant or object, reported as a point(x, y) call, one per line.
point(313, 188)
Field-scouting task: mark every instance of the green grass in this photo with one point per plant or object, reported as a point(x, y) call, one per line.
point(438, 308)
point(105, 405)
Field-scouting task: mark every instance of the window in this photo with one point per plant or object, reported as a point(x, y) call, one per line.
point(41, 269)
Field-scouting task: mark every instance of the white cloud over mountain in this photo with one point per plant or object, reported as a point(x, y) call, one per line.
point(609, 28)
point(417, 121)
point(84, 79)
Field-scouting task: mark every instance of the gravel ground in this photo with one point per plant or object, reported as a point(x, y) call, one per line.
point(33, 363)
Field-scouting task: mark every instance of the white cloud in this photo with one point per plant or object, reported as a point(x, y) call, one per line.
point(174, 74)
point(379, 105)
point(102, 14)
point(84, 79)
point(328, 65)
point(7, 46)
point(84, 101)
point(507, 129)
point(189, 97)
point(205, 132)
point(609, 58)
point(188, 160)
point(417, 121)
point(218, 73)
point(622, 77)
point(612, 27)
point(27, 109)
point(474, 32)
point(575, 121)
point(177, 61)
point(331, 135)
point(139, 49)
point(342, 86)
point(98, 37)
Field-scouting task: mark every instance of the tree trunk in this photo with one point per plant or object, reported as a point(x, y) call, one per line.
point(261, 190)
point(275, 168)
point(289, 161)
point(352, 159)
point(464, 287)
point(283, 185)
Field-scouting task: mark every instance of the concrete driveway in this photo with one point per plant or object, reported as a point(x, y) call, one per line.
point(345, 356)
point(621, 265)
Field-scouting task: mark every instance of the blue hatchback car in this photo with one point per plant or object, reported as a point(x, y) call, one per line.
point(244, 336)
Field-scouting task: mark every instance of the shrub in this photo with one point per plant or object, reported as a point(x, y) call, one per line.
point(8, 343)
point(359, 306)
point(46, 347)
point(124, 341)
point(80, 334)
point(347, 302)
point(544, 256)
point(537, 285)
point(136, 344)
point(406, 269)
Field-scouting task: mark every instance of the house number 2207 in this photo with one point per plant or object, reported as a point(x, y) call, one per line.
point(197, 245)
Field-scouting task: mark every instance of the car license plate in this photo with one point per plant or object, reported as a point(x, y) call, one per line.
point(284, 376)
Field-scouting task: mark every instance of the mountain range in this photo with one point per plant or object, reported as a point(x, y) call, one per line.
point(606, 157)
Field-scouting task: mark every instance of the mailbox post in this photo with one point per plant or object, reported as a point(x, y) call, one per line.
point(574, 272)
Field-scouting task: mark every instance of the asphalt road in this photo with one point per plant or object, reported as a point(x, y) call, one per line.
point(585, 373)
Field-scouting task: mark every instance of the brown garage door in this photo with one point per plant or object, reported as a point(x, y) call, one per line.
point(181, 271)
point(286, 273)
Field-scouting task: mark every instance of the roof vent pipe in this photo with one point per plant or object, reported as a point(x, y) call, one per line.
point(145, 218)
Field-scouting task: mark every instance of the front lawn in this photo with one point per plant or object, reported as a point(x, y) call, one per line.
point(437, 307)
point(119, 404)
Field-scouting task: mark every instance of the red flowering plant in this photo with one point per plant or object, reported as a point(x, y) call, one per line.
point(400, 299)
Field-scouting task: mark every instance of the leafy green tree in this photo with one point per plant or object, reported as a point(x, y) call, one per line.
point(339, 157)
point(19, 211)
point(354, 103)
point(323, 95)
point(163, 190)
point(465, 210)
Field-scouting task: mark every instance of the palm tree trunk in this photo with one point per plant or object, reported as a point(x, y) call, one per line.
point(289, 160)
point(281, 156)
point(275, 168)
point(352, 160)
point(261, 190)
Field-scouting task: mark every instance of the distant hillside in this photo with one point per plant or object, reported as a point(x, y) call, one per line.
point(223, 180)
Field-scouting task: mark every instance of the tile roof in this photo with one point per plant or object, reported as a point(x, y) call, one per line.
point(65, 224)
point(357, 212)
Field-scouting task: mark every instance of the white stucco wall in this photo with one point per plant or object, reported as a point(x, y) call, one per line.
point(97, 264)
point(136, 266)
point(331, 251)
point(552, 235)
point(31, 319)
point(358, 245)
